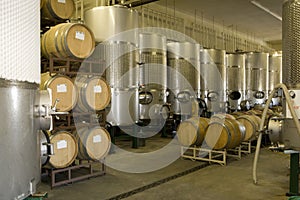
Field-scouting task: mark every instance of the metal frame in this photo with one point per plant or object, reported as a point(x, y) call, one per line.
point(69, 124)
point(213, 156)
point(246, 147)
point(52, 172)
point(65, 66)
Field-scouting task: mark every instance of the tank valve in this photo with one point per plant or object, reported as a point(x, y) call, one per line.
point(44, 110)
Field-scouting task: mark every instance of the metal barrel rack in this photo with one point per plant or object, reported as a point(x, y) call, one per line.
point(77, 172)
point(215, 156)
point(80, 169)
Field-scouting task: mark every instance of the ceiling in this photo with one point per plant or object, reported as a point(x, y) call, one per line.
point(240, 14)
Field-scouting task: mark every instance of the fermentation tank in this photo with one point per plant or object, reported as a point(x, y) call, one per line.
point(153, 74)
point(109, 21)
point(257, 81)
point(115, 27)
point(19, 83)
point(291, 70)
point(235, 79)
point(183, 63)
point(213, 79)
point(122, 76)
point(275, 75)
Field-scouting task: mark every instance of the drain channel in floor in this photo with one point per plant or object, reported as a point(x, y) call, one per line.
point(159, 182)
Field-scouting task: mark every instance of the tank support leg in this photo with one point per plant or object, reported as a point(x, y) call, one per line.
point(135, 138)
point(113, 131)
point(294, 174)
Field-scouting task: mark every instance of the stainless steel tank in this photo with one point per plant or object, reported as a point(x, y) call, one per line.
point(291, 69)
point(19, 149)
point(236, 85)
point(124, 107)
point(122, 75)
point(109, 21)
point(183, 63)
point(153, 72)
point(275, 75)
point(213, 79)
point(116, 27)
point(19, 83)
point(257, 78)
point(121, 62)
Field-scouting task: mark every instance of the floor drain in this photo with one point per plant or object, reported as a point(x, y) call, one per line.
point(159, 182)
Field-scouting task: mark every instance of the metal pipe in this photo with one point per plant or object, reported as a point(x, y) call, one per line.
point(81, 10)
point(295, 118)
point(76, 10)
point(132, 4)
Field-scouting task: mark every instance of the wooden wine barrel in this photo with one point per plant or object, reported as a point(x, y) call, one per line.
point(62, 89)
point(224, 134)
point(57, 10)
point(192, 131)
point(259, 113)
point(65, 149)
point(237, 114)
point(68, 40)
point(94, 93)
point(42, 3)
point(93, 144)
point(251, 123)
point(222, 116)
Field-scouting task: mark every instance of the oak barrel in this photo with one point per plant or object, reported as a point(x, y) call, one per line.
point(93, 143)
point(94, 93)
point(62, 89)
point(65, 149)
point(251, 123)
point(192, 131)
point(57, 10)
point(224, 134)
point(68, 40)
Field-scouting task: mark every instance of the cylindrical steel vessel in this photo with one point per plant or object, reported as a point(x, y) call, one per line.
point(57, 10)
point(124, 109)
point(18, 140)
point(20, 78)
point(236, 85)
point(68, 40)
point(291, 70)
point(121, 62)
point(275, 70)
point(257, 77)
point(115, 27)
point(213, 79)
point(153, 59)
point(183, 62)
point(109, 21)
point(153, 72)
point(122, 75)
point(291, 44)
point(275, 75)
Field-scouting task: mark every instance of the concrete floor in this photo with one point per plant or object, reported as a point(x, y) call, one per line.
point(231, 182)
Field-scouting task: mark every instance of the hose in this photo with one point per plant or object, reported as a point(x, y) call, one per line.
point(261, 127)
